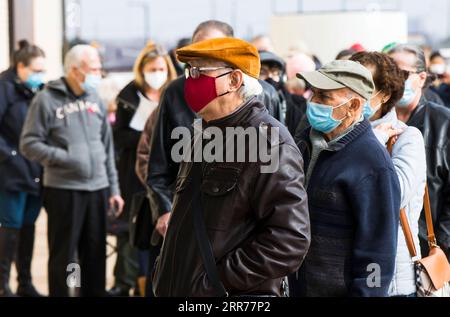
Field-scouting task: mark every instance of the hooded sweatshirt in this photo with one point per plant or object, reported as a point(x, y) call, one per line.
point(70, 136)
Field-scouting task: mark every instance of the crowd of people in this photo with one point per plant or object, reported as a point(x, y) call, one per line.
point(359, 142)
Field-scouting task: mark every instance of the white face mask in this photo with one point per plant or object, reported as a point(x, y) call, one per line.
point(438, 69)
point(156, 79)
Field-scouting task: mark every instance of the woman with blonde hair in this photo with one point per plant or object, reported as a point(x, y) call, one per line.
point(153, 71)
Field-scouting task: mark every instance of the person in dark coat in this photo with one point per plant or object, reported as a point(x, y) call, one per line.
point(433, 120)
point(174, 112)
point(293, 107)
point(20, 179)
point(353, 190)
point(153, 71)
point(179, 67)
point(255, 220)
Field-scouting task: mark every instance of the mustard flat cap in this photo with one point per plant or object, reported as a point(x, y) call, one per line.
point(233, 51)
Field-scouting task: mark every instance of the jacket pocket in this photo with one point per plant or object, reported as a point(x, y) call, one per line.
point(80, 160)
point(218, 196)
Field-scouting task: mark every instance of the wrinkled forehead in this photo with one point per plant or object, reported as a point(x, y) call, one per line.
point(207, 62)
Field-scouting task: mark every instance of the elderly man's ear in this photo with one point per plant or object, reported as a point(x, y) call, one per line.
point(422, 79)
point(236, 80)
point(356, 106)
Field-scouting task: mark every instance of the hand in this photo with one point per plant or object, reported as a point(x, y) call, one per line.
point(116, 203)
point(389, 130)
point(162, 224)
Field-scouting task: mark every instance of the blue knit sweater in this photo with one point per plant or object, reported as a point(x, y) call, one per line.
point(354, 202)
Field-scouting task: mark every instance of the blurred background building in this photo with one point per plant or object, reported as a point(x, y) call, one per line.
point(121, 27)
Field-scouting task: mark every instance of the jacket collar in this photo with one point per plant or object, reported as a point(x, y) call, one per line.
point(130, 94)
point(10, 75)
point(422, 103)
point(341, 142)
point(390, 117)
point(235, 118)
point(417, 114)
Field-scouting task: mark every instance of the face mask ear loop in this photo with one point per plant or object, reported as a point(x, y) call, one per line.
point(343, 104)
point(226, 93)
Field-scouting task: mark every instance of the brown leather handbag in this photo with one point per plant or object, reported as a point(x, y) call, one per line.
point(432, 272)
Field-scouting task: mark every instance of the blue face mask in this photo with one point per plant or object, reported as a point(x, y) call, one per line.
point(35, 80)
point(321, 116)
point(91, 82)
point(368, 111)
point(408, 95)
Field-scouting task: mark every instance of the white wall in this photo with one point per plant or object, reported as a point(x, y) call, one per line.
point(48, 33)
point(328, 33)
point(4, 35)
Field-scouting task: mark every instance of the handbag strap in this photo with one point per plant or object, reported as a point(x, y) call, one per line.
point(408, 234)
point(404, 219)
point(429, 219)
point(201, 233)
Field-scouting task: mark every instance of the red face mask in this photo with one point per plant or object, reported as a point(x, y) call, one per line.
point(201, 91)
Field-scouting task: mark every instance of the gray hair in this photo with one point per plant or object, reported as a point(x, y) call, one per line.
point(420, 63)
point(251, 87)
point(223, 27)
point(76, 54)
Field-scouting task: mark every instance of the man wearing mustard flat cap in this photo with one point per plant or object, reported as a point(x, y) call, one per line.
point(353, 190)
point(235, 228)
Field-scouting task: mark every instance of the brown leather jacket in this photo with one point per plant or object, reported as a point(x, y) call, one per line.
point(143, 148)
point(258, 223)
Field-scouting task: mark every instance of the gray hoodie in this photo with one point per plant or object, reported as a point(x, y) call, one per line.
point(71, 137)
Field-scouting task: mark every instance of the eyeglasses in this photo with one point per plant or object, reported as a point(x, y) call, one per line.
point(195, 72)
point(408, 73)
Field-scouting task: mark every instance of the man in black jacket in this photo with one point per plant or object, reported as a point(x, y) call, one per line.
point(174, 112)
point(255, 220)
point(433, 121)
point(292, 107)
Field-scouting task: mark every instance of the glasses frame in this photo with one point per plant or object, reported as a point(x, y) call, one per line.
point(195, 72)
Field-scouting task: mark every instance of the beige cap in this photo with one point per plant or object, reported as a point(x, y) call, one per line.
point(341, 74)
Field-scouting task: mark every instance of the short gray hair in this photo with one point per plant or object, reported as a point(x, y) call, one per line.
point(420, 63)
point(75, 56)
point(250, 87)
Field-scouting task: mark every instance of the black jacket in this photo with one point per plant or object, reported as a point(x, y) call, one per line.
point(17, 173)
point(174, 112)
point(126, 141)
point(295, 110)
point(257, 223)
point(433, 121)
point(444, 93)
point(432, 95)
